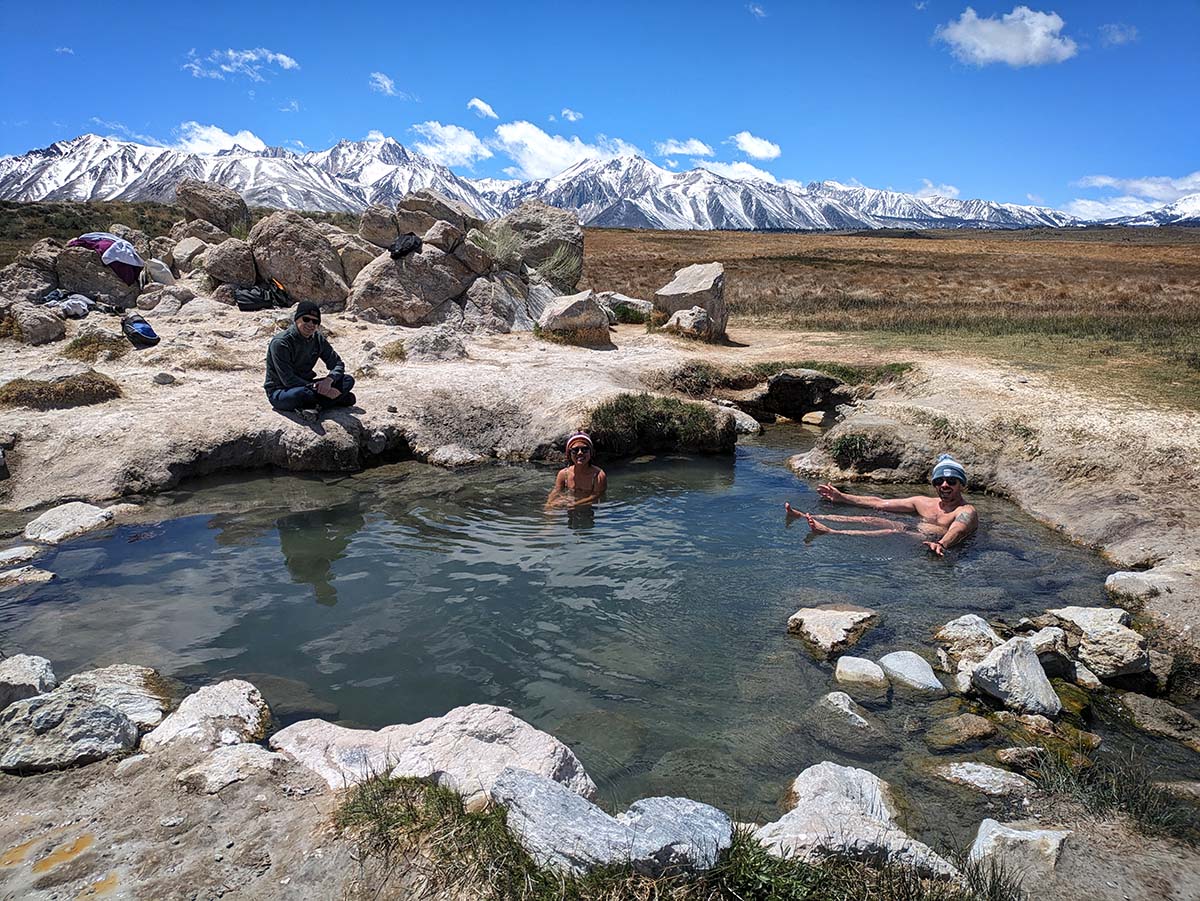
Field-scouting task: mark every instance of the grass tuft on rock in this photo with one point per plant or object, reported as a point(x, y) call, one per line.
point(414, 834)
point(699, 378)
point(80, 390)
point(639, 423)
point(394, 352)
point(563, 267)
point(94, 344)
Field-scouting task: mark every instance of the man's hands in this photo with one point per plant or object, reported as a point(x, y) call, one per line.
point(936, 547)
point(325, 388)
point(829, 493)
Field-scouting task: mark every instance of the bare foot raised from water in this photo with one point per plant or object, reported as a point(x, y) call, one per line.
point(792, 512)
point(816, 527)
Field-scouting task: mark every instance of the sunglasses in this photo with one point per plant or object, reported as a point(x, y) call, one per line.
point(580, 450)
point(310, 320)
point(938, 483)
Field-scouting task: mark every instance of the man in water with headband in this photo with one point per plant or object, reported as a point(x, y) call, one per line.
point(580, 481)
point(946, 520)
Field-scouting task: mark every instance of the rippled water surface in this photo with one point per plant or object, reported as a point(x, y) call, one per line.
point(648, 634)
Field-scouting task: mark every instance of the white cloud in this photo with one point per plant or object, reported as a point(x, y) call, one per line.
point(65, 50)
point(197, 138)
point(1162, 188)
point(292, 106)
point(247, 63)
point(381, 84)
point(690, 147)
point(1116, 34)
point(756, 10)
point(1035, 198)
point(672, 164)
point(540, 155)
point(1023, 37)
point(738, 171)
point(482, 109)
point(120, 130)
point(920, 5)
point(449, 145)
point(929, 189)
point(1110, 207)
point(755, 148)
point(570, 115)
point(375, 135)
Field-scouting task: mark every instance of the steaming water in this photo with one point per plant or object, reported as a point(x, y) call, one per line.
point(648, 634)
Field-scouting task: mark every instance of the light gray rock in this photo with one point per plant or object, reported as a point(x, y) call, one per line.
point(847, 812)
point(675, 834)
point(290, 249)
point(831, 627)
point(911, 672)
point(34, 325)
point(25, 283)
point(229, 764)
point(692, 323)
point(354, 252)
point(433, 344)
point(66, 521)
point(1106, 643)
point(231, 263)
point(439, 207)
point(988, 779)
point(1159, 717)
point(576, 315)
point(744, 423)
point(1050, 644)
point(187, 253)
point(541, 231)
point(136, 691)
point(559, 829)
point(24, 575)
point(192, 228)
point(861, 676)
point(215, 203)
point(1085, 678)
point(228, 713)
point(444, 235)
point(23, 676)
point(81, 271)
point(1013, 675)
point(473, 256)
point(22, 553)
point(1025, 853)
point(378, 226)
point(59, 730)
point(968, 636)
point(626, 309)
point(408, 291)
point(159, 272)
point(496, 304)
point(414, 222)
point(701, 285)
point(839, 723)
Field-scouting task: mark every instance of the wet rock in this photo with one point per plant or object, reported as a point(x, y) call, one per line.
point(227, 713)
point(988, 779)
point(675, 834)
point(136, 691)
point(1025, 758)
point(354, 252)
point(868, 443)
point(1029, 854)
point(231, 262)
point(465, 749)
point(831, 627)
point(33, 325)
point(541, 231)
point(229, 764)
point(911, 672)
point(559, 829)
point(1013, 675)
point(836, 721)
point(1107, 645)
point(290, 249)
point(24, 575)
point(967, 640)
point(59, 730)
point(701, 285)
point(81, 271)
point(444, 235)
point(846, 812)
point(66, 521)
point(861, 677)
point(23, 676)
point(1050, 644)
point(187, 253)
point(958, 732)
point(214, 203)
point(1158, 717)
point(378, 226)
point(408, 291)
point(575, 318)
point(1162, 665)
point(744, 423)
point(796, 392)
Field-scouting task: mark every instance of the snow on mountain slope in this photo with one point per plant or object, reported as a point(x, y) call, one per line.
point(1184, 211)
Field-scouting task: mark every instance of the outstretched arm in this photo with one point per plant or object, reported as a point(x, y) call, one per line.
point(888, 505)
point(964, 524)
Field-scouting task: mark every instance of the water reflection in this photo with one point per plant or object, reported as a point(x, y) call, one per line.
point(313, 541)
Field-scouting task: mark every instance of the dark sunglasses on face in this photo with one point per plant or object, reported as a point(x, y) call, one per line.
point(938, 483)
point(575, 451)
point(310, 320)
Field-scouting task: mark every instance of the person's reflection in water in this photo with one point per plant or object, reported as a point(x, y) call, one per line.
point(313, 541)
point(579, 483)
point(581, 517)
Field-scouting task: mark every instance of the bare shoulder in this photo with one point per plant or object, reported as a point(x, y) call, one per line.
point(967, 513)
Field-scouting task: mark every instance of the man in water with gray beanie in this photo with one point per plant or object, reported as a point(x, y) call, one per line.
point(946, 520)
point(291, 382)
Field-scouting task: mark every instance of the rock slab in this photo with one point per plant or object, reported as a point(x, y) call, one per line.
point(1027, 853)
point(701, 285)
point(59, 730)
point(66, 521)
point(228, 713)
point(831, 627)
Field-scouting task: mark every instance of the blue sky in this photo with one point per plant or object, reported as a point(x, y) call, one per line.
point(1088, 106)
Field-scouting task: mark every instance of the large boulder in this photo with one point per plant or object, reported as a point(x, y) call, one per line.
point(66, 521)
point(496, 304)
point(135, 236)
point(378, 226)
point(700, 285)
point(444, 235)
point(967, 640)
point(543, 233)
point(31, 324)
point(191, 228)
point(59, 730)
point(228, 713)
point(839, 723)
point(293, 251)
point(188, 253)
point(353, 251)
point(474, 256)
point(136, 691)
point(231, 263)
point(1013, 675)
point(575, 319)
point(81, 271)
point(215, 203)
point(23, 676)
point(438, 207)
point(674, 834)
point(831, 627)
point(25, 283)
point(410, 290)
point(1106, 643)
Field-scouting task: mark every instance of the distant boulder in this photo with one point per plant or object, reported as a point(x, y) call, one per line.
point(231, 263)
point(498, 304)
point(292, 250)
point(195, 228)
point(438, 207)
point(575, 319)
point(547, 235)
point(221, 206)
point(410, 290)
point(701, 285)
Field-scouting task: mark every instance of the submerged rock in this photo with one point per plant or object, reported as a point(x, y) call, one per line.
point(861, 676)
point(835, 720)
point(911, 671)
point(988, 779)
point(1013, 675)
point(66, 521)
point(831, 627)
point(1158, 717)
point(958, 732)
point(1023, 852)
point(228, 713)
point(23, 676)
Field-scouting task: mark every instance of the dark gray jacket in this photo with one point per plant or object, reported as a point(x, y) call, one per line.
point(291, 358)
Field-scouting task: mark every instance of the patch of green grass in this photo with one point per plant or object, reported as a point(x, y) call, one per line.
point(394, 352)
point(641, 423)
point(629, 316)
point(500, 241)
point(80, 390)
point(89, 346)
point(699, 378)
point(852, 449)
point(420, 834)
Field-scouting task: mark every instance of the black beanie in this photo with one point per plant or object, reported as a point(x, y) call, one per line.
point(307, 307)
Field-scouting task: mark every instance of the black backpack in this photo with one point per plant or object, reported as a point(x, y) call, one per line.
point(404, 245)
point(261, 297)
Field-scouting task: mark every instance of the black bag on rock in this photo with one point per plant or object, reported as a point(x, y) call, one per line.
point(404, 245)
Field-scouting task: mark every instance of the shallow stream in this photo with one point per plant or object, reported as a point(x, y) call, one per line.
point(648, 634)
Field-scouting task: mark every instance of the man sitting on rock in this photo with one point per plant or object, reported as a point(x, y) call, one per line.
point(291, 382)
point(946, 520)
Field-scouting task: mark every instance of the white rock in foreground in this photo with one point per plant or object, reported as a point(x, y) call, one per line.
point(672, 834)
point(1013, 675)
point(990, 780)
point(66, 521)
point(968, 639)
point(1029, 854)
point(61, 729)
point(228, 713)
point(911, 671)
point(831, 627)
point(1107, 645)
point(23, 676)
point(127, 688)
point(227, 765)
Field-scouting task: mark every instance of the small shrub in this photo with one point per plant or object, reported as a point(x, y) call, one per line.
point(500, 241)
point(579, 337)
point(91, 345)
point(71, 391)
point(214, 363)
point(852, 449)
point(394, 352)
point(629, 315)
point(635, 423)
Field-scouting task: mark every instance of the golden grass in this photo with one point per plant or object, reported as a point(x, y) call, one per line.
point(80, 390)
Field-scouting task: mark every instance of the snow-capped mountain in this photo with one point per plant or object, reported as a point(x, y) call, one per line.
point(625, 191)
